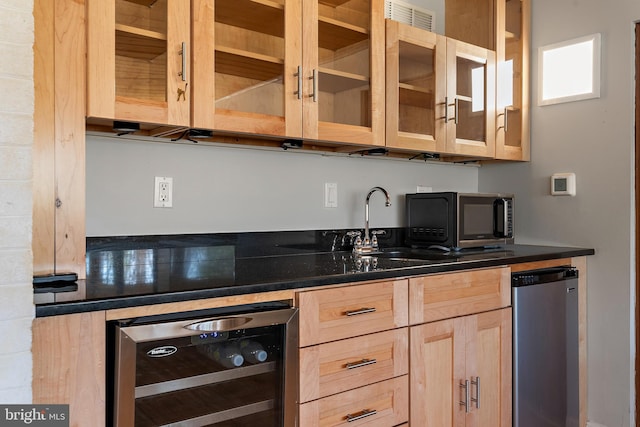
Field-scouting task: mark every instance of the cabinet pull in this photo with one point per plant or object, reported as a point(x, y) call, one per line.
point(361, 311)
point(465, 402)
point(183, 52)
point(446, 109)
point(477, 398)
point(363, 414)
point(314, 77)
point(363, 362)
point(299, 76)
point(505, 122)
point(456, 103)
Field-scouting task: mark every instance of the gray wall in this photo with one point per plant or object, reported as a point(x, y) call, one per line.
point(226, 189)
point(594, 139)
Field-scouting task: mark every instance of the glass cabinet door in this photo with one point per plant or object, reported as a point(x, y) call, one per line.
point(138, 60)
point(246, 66)
point(470, 100)
point(415, 87)
point(512, 138)
point(343, 54)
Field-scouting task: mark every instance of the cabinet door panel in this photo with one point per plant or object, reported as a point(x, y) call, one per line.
point(471, 108)
point(344, 71)
point(416, 82)
point(437, 366)
point(245, 64)
point(333, 314)
point(489, 358)
point(138, 60)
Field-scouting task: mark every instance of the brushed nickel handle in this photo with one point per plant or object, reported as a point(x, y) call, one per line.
point(183, 52)
point(456, 104)
point(299, 76)
point(363, 414)
point(361, 311)
point(363, 362)
point(314, 77)
point(466, 400)
point(476, 400)
point(506, 119)
point(446, 109)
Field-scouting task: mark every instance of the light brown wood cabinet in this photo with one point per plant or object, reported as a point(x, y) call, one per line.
point(440, 93)
point(460, 359)
point(354, 355)
point(501, 26)
point(138, 60)
point(460, 371)
point(59, 138)
point(296, 69)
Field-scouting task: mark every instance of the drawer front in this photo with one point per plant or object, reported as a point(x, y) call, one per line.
point(338, 366)
point(381, 404)
point(338, 313)
point(442, 296)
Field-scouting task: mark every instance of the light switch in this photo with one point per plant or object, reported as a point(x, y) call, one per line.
point(330, 195)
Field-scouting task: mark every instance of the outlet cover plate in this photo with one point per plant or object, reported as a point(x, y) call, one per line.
point(163, 192)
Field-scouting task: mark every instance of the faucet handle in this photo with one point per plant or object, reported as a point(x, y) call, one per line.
point(374, 232)
point(351, 235)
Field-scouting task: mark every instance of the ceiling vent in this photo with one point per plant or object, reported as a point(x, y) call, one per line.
point(409, 14)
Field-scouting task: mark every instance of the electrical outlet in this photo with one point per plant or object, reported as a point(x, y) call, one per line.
point(163, 192)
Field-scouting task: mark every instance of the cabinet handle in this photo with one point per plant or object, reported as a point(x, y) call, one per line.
point(456, 103)
point(361, 311)
point(363, 414)
point(363, 362)
point(299, 76)
point(183, 52)
point(314, 77)
point(465, 402)
point(477, 398)
point(446, 109)
point(505, 125)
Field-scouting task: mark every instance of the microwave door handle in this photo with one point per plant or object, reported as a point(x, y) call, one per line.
point(500, 227)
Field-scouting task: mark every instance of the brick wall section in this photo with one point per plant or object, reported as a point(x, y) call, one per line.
point(16, 138)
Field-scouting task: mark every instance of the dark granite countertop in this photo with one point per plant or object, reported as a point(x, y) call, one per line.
point(128, 272)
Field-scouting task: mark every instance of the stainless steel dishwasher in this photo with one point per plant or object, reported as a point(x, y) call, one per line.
point(545, 348)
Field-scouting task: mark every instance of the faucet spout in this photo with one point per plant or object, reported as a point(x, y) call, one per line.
point(367, 239)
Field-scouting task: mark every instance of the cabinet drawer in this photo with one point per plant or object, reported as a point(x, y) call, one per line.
point(330, 368)
point(443, 296)
point(381, 404)
point(345, 312)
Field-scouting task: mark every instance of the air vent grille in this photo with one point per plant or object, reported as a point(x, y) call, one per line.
point(409, 14)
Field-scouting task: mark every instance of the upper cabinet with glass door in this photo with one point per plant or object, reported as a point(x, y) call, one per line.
point(512, 137)
point(137, 60)
point(470, 102)
point(501, 26)
point(416, 88)
point(343, 71)
point(299, 69)
point(246, 63)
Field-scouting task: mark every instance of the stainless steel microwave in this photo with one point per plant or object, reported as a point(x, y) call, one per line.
point(459, 220)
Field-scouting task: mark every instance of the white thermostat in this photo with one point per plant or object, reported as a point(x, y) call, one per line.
point(563, 184)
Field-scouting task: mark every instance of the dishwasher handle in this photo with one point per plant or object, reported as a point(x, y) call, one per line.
point(545, 275)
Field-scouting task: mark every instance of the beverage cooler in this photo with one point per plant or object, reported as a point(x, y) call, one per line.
point(211, 370)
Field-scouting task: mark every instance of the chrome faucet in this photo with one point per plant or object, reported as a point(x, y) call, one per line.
point(369, 244)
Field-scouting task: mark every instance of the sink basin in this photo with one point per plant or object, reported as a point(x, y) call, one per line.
point(417, 254)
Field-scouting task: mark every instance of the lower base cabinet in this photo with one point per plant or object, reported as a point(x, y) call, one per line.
point(460, 371)
point(382, 404)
